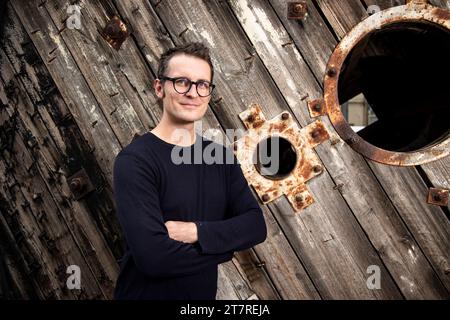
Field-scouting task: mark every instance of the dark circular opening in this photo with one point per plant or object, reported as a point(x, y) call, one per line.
point(275, 158)
point(394, 87)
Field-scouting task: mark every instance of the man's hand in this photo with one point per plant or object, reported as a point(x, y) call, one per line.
point(182, 231)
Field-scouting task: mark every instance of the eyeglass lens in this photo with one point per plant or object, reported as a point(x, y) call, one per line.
point(183, 85)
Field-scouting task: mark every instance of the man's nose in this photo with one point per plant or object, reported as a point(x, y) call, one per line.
point(192, 91)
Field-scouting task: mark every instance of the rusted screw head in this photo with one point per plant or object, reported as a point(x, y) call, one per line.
point(315, 134)
point(317, 107)
point(115, 32)
point(299, 8)
point(250, 118)
point(331, 72)
point(437, 197)
point(351, 140)
point(115, 28)
point(298, 198)
point(265, 197)
point(76, 184)
point(317, 168)
point(285, 116)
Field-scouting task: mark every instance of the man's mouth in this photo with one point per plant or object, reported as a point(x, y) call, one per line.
point(190, 106)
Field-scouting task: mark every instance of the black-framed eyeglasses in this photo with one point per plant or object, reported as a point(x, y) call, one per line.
point(182, 85)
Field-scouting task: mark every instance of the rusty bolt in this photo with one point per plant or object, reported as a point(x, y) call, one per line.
point(77, 184)
point(265, 197)
point(438, 196)
point(315, 134)
point(351, 140)
point(298, 7)
point(250, 118)
point(317, 107)
point(115, 32)
point(331, 72)
point(298, 198)
point(297, 10)
point(317, 168)
point(285, 116)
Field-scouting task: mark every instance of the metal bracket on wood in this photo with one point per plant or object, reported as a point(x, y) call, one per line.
point(80, 184)
point(115, 32)
point(303, 141)
point(297, 10)
point(317, 108)
point(438, 196)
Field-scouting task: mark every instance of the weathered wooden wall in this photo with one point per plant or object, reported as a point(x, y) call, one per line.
point(70, 101)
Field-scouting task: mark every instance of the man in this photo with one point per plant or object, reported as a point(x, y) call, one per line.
point(180, 220)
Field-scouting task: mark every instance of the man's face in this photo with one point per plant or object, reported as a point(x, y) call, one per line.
point(188, 107)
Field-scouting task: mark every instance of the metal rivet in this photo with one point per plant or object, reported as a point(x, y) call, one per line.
point(297, 10)
point(438, 196)
point(317, 168)
point(298, 198)
point(331, 72)
point(285, 116)
point(265, 197)
point(315, 134)
point(250, 118)
point(76, 184)
point(115, 32)
point(351, 140)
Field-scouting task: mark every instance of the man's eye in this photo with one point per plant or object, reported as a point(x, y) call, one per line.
point(183, 82)
point(203, 85)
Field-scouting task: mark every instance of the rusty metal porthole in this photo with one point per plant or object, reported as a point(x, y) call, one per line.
point(397, 60)
point(297, 161)
point(272, 148)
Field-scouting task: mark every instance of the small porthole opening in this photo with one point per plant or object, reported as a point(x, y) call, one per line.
point(394, 86)
point(275, 158)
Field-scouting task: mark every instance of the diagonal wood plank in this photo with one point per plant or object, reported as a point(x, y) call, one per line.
point(76, 92)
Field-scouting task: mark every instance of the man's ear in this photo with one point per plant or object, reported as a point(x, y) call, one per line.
point(157, 85)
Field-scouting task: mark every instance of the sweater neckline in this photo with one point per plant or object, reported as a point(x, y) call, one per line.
point(163, 142)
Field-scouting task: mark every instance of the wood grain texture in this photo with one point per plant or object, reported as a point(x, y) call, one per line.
point(306, 234)
point(70, 101)
point(410, 198)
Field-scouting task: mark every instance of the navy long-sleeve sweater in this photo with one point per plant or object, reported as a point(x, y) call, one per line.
point(150, 189)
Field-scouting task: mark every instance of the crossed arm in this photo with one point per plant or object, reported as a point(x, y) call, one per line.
point(244, 228)
point(182, 231)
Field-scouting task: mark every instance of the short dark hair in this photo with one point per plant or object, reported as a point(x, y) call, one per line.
point(196, 49)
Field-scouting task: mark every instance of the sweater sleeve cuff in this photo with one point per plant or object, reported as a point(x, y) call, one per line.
point(203, 237)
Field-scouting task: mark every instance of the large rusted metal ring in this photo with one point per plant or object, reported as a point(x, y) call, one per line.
point(412, 12)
